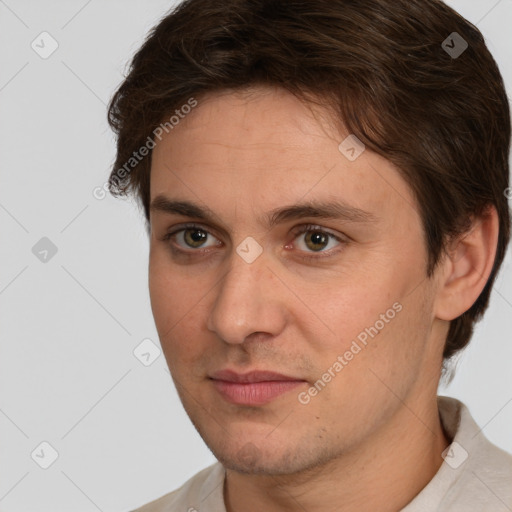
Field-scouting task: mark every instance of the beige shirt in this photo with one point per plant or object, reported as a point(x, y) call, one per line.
point(475, 476)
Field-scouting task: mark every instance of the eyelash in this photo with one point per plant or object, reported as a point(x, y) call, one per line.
point(296, 232)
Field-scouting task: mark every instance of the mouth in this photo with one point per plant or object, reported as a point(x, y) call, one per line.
point(253, 388)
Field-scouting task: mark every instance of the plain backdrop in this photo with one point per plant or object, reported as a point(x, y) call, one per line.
point(73, 275)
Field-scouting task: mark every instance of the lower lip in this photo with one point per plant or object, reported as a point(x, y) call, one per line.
point(254, 393)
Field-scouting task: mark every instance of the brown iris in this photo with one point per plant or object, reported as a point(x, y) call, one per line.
point(316, 238)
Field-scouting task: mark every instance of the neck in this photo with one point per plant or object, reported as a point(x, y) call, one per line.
point(383, 473)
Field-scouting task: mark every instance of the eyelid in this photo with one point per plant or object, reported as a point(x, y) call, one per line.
point(304, 228)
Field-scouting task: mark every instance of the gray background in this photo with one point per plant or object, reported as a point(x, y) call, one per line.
point(68, 375)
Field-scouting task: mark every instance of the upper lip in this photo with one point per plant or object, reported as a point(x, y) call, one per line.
point(254, 376)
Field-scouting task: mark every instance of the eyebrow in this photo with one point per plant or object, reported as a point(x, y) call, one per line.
point(314, 209)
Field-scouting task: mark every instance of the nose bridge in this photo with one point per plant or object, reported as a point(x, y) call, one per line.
point(244, 302)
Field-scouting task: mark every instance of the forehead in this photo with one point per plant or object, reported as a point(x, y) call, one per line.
point(253, 116)
point(258, 150)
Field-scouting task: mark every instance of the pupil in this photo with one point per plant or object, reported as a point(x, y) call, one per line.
point(197, 236)
point(318, 238)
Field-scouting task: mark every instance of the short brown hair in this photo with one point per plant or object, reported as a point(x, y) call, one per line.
point(379, 65)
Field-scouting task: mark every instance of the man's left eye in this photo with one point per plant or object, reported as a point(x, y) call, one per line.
point(316, 239)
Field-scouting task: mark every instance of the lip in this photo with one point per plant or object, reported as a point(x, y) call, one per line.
point(253, 388)
point(253, 376)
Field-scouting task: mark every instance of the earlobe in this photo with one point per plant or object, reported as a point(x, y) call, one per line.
point(467, 266)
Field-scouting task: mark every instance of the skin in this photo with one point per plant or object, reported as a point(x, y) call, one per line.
point(371, 439)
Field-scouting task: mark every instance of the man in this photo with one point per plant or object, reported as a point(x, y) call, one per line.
point(325, 187)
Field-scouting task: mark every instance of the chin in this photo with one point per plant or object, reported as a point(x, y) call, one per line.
point(252, 459)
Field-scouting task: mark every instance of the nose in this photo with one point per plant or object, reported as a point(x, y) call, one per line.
point(248, 300)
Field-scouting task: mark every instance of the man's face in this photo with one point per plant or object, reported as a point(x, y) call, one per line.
point(343, 308)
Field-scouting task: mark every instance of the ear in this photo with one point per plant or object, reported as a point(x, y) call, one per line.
point(467, 266)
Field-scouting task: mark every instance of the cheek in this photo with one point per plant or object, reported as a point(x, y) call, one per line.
point(353, 303)
point(162, 290)
point(177, 303)
point(358, 378)
point(394, 345)
point(374, 323)
point(168, 296)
